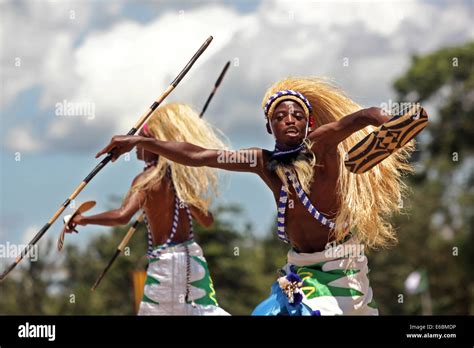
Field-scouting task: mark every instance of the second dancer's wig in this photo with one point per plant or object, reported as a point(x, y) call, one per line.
point(179, 122)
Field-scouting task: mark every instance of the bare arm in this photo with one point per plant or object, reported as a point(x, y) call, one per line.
point(120, 216)
point(328, 136)
point(245, 160)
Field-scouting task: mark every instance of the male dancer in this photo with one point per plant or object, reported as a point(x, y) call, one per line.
point(178, 280)
point(325, 212)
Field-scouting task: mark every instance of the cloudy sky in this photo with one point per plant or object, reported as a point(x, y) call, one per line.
point(115, 57)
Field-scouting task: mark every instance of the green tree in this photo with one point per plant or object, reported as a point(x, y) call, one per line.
point(436, 232)
point(29, 288)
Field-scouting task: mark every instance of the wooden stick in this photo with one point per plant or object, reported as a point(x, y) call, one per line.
point(120, 248)
point(132, 229)
point(216, 85)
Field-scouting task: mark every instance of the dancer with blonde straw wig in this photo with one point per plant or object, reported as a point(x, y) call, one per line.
point(171, 195)
point(326, 213)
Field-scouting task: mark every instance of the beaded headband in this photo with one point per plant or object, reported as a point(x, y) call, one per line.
point(285, 95)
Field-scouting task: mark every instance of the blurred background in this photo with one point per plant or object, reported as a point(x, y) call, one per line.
point(74, 73)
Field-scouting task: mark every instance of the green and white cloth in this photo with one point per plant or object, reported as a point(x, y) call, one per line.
point(167, 284)
point(332, 282)
point(335, 280)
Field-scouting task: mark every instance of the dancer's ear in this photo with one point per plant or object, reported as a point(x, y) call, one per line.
point(269, 129)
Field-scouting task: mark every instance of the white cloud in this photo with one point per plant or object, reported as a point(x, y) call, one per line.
point(35, 32)
point(21, 139)
point(379, 16)
point(124, 67)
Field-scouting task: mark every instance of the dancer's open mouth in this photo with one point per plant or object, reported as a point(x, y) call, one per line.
point(292, 131)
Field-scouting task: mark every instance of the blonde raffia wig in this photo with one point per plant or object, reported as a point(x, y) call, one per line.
point(365, 200)
point(179, 122)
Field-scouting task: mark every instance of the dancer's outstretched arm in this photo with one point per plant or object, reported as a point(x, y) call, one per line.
point(115, 217)
point(245, 160)
point(328, 136)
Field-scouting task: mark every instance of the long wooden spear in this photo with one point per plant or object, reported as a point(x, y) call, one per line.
point(140, 218)
point(120, 248)
point(107, 159)
point(216, 86)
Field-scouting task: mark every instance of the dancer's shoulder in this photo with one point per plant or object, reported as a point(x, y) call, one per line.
point(140, 177)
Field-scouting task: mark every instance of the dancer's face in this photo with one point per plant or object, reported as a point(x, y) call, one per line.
point(289, 123)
